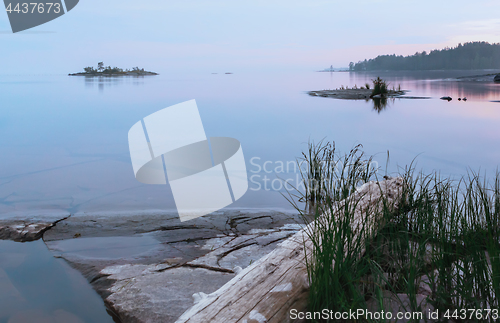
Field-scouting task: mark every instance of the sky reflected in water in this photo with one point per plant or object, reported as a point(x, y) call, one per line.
point(36, 287)
point(64, 139)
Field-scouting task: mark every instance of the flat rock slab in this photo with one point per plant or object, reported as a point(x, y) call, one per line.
point(148, 266)
point(145, 294)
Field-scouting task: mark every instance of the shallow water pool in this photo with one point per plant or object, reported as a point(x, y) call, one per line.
point(36, 287)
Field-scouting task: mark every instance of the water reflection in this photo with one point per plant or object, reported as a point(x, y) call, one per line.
point(36, 287)
point(459, 89)
point(436, 83)
point(380, 104)
point(103, 82)
point(82, 155)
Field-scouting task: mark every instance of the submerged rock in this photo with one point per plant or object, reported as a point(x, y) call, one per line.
point(41, 316)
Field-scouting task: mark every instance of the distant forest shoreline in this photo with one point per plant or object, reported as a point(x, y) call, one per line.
point(469, 56)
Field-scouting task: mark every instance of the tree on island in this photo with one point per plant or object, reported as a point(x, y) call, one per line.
point(105, 70)
point(89, 70)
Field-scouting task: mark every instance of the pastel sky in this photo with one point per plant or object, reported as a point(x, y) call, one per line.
point(229, 35)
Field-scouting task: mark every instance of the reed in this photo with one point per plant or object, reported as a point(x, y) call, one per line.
point(379, 86)
point(446, 231)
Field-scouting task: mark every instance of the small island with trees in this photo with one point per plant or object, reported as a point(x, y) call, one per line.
point(102, 70)
point(379, 93)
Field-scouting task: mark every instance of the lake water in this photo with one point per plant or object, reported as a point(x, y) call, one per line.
point(64, 149)
point(36, 287)
point(64, 146)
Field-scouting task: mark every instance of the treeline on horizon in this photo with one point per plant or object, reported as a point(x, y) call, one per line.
point(472, 55)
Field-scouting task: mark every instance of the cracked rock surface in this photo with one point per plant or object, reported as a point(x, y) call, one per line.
point(28, 229)
point(150, 267)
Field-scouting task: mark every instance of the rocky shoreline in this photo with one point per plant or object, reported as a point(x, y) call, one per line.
point(491, 77)
point(150, 267)
point(175, 266)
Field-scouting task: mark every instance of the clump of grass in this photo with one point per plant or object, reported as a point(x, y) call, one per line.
point(318, 160)
point(335, 177)
point(325, 172)
point(447, 231)
point(379, 86)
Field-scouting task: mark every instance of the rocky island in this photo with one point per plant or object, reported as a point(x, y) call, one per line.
point(379, 91)
point(355, 94)
point(102, 70)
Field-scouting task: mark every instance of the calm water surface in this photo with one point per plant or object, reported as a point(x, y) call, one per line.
point(36, 287)
point(64, 139)
point(64, 145)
